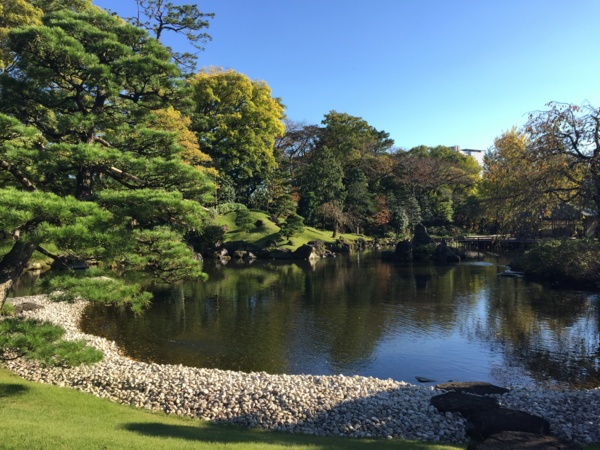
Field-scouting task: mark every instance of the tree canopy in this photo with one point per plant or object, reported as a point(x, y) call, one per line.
point(86, 166)
point(236, 120)
point(544, 171)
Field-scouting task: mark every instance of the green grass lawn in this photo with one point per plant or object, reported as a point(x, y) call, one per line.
point(38, 416)
point(269, 231)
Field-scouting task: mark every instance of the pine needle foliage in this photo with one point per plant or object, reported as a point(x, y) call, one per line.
point(42, 341)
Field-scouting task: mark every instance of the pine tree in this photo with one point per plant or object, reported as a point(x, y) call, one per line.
point(84, 165)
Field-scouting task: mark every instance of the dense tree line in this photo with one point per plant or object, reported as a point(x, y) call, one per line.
point(348, 176)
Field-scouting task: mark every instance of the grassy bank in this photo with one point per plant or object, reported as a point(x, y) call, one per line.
point(38, 416)
point(259, 236)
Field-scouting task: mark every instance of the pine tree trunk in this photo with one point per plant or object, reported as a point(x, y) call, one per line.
point(12, 266)
point(83, 191)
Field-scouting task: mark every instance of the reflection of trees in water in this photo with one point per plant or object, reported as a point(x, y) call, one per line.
point(436, 297)
point(27, 284)
point(552, 335)
point(227, 322)
point(332, 316)
point(343, 312)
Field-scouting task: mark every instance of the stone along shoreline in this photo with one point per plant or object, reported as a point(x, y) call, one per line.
point(324, 405)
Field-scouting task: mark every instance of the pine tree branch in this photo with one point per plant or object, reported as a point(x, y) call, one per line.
point(20, 176)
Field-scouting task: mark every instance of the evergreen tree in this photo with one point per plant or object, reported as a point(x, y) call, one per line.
point(293, 226)
point(83, 166)
point(321, 182)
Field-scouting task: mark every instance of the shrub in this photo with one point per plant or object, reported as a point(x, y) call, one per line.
point(447, 232)
point(424, 252)
point(205, 242)
point(563, 261)
point(42, 341)
point(225, 208)
point(293, 226)
point(243, 219)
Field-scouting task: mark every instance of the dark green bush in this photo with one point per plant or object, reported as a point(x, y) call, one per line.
point(42, 341)
point(293, 226)
point(205, 242)
point(243, 219)
point(565, 261)
point(424, 252)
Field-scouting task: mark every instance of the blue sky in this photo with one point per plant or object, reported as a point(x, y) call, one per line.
point(431, 72)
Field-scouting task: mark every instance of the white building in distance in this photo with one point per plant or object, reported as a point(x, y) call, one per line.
point(477, 154)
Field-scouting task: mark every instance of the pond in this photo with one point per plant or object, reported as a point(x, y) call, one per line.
point(358, 315)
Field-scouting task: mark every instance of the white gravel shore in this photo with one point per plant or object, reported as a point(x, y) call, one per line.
point(325, 405)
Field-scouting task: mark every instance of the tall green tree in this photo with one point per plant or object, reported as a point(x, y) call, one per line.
point(358, 205)
point(14, 14)
point(293, 148)
point(353, 141)
point(84, 167)
point(344, 144)
point(322, 183)
point(49, 6)
point(292, 226)
point(236, 121)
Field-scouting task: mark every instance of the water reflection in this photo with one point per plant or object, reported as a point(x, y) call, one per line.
point(361, 316)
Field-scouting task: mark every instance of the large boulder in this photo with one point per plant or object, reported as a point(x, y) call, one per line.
point(472, 387)
point(221, 253)
point(234, 246)
point(276, 253)
point(421, 236)
point(445, 255)
point(466, 404)
point(271, 243)
point(313, 250)
point(27, 306)
point(339, 246)
point(404, 251)
point(423, 244)
point(305, 252)
point(483, 424)
point(519, 440)
point(318, 246)
point(240, 254)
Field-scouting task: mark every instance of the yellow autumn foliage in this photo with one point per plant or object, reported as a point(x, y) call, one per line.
point(172, 120)
point(14, 14)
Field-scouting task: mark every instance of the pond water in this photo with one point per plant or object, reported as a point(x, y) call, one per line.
point(358, 315)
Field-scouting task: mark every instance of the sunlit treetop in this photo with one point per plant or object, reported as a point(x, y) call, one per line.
point(160, 17)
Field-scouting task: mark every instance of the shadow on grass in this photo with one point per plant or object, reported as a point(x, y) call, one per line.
point(231, 434)
point(11, 390)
